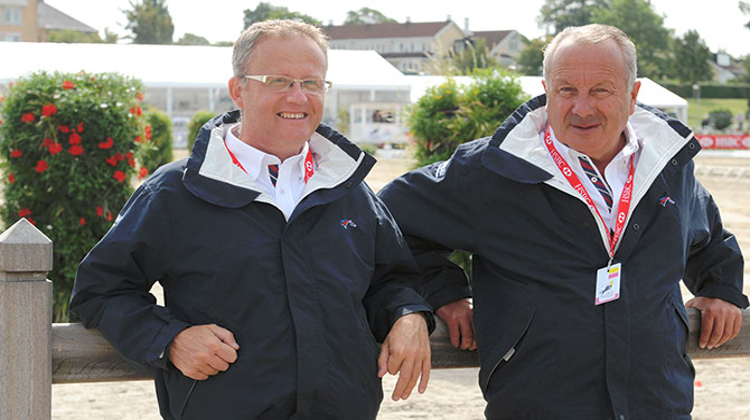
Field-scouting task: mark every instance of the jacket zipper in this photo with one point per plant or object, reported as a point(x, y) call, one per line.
point(190, 392)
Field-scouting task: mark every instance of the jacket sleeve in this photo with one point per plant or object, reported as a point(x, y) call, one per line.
point(393, 289)
point(433, 207)
point(715, 264)
point(112, 285)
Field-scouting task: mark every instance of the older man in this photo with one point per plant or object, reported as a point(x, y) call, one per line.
point(583, 215)
point(281, 268)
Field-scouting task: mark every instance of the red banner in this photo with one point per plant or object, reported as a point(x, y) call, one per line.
point(724, 141)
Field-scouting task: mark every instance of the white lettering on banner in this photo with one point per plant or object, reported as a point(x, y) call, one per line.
point(724, 141)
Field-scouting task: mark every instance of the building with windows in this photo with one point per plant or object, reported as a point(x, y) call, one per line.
point(503, 46)
point(33, 20)
point(411, 47)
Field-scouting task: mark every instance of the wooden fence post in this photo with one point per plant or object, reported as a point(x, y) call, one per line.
point(25, 323)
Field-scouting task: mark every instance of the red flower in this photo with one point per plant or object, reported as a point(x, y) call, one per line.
point(63, 128)
point(75, 150)
point(129, 155)
point(48, 142)
point(143, 173)
point(75, 138)
point(11, 178)
point(139, 96)
point(131, 162)
point(119, 175)
point(56, 148)
point(108, 144)
point(68, 85)
point(48, 110)
point(83, 221)
point(30, 220)
point(16, 153)
point(136, 110)
point(1, 122)
point(41, 166)
point(99, 211)
point(80, 127)
point(109, 216)
point(138, 139)
point(118, 156)
point(24, 212)
point(112, 161)
point(28, 117)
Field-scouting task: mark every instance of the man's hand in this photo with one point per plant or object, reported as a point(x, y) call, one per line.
point(201, 351)
point(459, 317)
point(406, 349)
point(720, 320)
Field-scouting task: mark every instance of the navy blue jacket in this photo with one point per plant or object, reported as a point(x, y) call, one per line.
point(306, 298)
point(546, 351)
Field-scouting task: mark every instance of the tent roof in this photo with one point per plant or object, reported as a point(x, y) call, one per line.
point(182, 65)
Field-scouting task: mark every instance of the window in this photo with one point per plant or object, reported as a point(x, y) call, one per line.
point(12, 37)
point(12, 15)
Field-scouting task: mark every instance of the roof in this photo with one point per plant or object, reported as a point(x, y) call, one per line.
point(182, 65)
point(52, 19)
point(386, 30)
point(493, 37)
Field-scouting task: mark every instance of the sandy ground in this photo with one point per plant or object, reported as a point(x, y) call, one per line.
point(722, 389)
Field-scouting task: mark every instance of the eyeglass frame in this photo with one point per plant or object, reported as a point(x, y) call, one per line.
point(263, 78)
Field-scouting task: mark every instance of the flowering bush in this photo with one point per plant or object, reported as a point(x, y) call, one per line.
point(448, 115)
point(68, 149)
point(158, 139)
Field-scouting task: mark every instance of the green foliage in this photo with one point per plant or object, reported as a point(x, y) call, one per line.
point(150, 22)
point(692, 57)
point(110, 37)
point(67, 143)
point(699, 109)
point(368, 148)
point(266, 11)
point(366, 15)
point(745, 9)
point(192, 39)
point(721, 118)
point(158, 140)
point(711, 90)
point(70, 36)
point(645, 28)
point(448, 115)
point(473, 56)
point(194, 125)
point(531, 59)
point(556, 15)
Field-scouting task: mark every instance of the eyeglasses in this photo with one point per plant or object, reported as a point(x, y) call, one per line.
point(284, 84)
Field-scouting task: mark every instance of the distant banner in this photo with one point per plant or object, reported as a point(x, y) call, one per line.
point(724, 141)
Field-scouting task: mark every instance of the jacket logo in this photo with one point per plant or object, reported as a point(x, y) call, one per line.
point(664, 200)
point(346, 223)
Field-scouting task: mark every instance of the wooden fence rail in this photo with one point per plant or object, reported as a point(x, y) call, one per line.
point(34, 353)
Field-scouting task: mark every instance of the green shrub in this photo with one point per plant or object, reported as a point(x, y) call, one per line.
point(194, 125)
point(67, 143)
point(448, 115)
point(158, 140)
point(711, 90)
point(721, 118)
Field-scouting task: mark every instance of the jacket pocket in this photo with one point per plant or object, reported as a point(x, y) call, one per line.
point(187, 398)
point(685, 329)
point(506, 341)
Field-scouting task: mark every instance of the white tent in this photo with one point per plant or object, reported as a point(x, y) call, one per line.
point(651, 93)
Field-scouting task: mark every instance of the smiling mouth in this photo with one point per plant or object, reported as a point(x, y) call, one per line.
point(292, 115)
point(585, 127)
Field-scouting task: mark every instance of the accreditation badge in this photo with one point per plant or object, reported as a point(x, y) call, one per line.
point(608, 283)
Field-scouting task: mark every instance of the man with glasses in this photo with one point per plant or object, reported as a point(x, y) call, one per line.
point(281, 269)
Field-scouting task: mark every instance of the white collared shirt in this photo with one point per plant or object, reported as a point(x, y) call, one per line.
point(290, 184)
point(615, 174)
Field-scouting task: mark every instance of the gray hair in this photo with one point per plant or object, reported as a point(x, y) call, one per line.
point(245, 44)
point(594, 34)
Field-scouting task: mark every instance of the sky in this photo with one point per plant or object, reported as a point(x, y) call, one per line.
point(719, 22)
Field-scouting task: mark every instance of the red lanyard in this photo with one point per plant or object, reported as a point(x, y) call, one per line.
point(570, 176)
point(309, 166)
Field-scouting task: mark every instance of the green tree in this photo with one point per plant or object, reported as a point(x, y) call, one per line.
point(150, 22)
point(745, 9)
point(266, 11)
point(69, 36)
point(192, 39)
point(474, 55)
point(366, 15)
point(531, 58)
point(645, 28)
point(556, 15)
point(691, 58)
point(110, 37)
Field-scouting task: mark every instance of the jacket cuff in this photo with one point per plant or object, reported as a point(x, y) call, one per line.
point(448, 294)
point(424, 310)
point(726, 293)
point(156, 355)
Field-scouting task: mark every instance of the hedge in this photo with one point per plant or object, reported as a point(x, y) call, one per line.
point(712, 90)
point(68, 148)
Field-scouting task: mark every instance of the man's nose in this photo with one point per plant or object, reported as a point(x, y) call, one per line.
point(296, 94)
point(583, 106)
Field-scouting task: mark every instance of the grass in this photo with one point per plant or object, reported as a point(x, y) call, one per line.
point(699, 108)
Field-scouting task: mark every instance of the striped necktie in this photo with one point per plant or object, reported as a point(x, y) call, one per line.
point(598, 182)
point(273, 172)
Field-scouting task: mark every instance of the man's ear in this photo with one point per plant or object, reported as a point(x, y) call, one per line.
point(235, 91)
point(634, 96)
